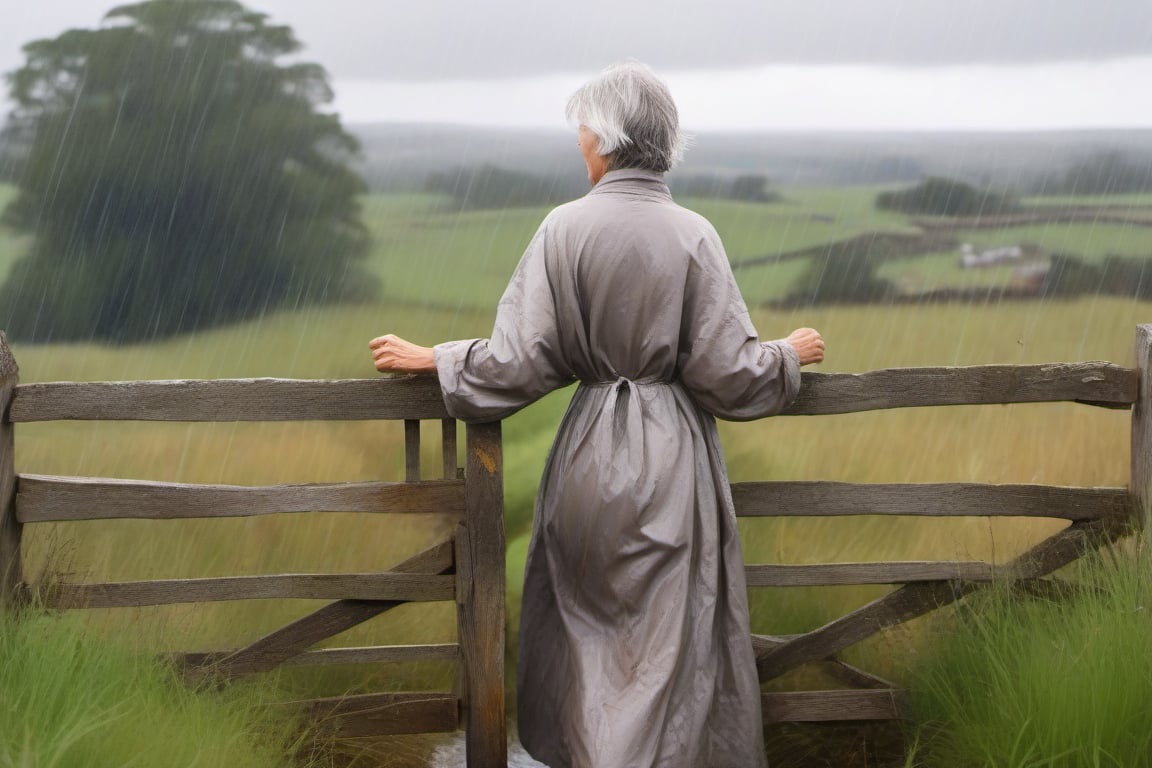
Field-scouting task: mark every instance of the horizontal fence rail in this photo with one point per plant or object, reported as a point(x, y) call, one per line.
point(383, 714)
point(407, 397)
point(419, 397)
point(826, 706)
point(831, 499)
point(43, 498)
point(1095, 383)
point(374, 654)
point(835, 574)
point(406, 587)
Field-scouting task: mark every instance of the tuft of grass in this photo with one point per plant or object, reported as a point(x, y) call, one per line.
point(1019, 683)
point(68, 698)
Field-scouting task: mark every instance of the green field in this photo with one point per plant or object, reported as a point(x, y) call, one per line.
point(442, 275)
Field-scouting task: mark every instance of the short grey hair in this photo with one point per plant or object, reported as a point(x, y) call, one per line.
point(632, 113)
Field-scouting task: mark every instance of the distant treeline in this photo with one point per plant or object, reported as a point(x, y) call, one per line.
point(1101, 173)
point(490, 186)
point(946, 197)
point(1069, 275)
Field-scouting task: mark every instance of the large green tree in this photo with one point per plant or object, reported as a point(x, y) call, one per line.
point(176, 173)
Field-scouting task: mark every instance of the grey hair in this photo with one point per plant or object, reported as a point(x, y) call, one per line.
point(632, 113)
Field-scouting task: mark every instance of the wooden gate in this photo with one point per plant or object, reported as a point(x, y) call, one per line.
point(1096, 515)
point(467, 567)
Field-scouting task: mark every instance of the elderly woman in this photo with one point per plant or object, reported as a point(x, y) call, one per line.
point(634, 637)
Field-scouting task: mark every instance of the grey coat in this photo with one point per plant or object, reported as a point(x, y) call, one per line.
point(634, 638)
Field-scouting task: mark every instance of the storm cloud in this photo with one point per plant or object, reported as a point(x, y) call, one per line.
point(453, 39)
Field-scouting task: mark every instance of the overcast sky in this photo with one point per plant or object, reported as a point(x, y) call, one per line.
point(732, 64)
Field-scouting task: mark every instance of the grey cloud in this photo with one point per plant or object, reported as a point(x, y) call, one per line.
point(436, 39)
point(456, 39)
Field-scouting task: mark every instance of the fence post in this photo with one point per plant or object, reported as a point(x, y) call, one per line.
point(481, 611)
point(9, 527)
point(1141, 482)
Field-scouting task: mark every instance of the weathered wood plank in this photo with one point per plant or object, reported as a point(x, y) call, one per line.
point(831, 706)
point(10, 528)
point(841, 671)
point(301, 586)
point(411, 450)
point(919, 598)
point(383, 714)
point(376, 654)
point(855, 677)
point(419, 397)
point(1141, 461)
point(827, 499)
point(277, 647)
point(829, 574)
point(448, 447)
point(1095, 383)
point(481, 612)
point(42, 498)
point(406, 397)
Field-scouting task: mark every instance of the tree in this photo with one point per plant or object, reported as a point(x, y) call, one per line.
point(1109, 173)
point(936, 196)
point(176, 175)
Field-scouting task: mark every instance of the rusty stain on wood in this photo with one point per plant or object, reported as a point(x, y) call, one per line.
point(486, 460)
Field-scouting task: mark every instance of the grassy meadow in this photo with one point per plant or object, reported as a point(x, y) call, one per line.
point(442, 274)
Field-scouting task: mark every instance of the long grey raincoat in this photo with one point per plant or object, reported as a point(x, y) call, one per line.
point(634, 638)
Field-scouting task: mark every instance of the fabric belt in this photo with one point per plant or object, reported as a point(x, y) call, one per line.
point(643, 381)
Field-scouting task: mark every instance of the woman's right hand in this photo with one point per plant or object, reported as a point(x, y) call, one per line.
point(809, 345)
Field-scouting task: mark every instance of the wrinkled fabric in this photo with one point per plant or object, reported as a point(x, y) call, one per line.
point(634, 637)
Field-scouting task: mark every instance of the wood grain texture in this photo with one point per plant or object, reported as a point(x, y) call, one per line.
point(383, 714)
point(828, 499)
point(1141, 463)
point(830, 574)
point(826, 706)
point(407, 397)
point(43, 498)
point(838, 670)
point(298, 586)
point(481, 611)
point(375, 654)
point(283, 644)
point(916, 599)
point(1095, 383)
point(411, 450)
point(10, 528)
point(846, 674)
point(448, 448)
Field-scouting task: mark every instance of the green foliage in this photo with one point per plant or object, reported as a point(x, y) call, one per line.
point(839, 276)
point(936, 196)
point(71, 699)
point(1107, 173)
point(1069, 275)
point(490, 186)
point(176, 176)
point(750, 187)
point(1017, 683)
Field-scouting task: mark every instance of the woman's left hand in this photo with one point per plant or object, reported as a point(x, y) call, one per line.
point(393, 354)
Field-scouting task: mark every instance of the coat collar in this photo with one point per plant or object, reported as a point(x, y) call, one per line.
point(632, 180)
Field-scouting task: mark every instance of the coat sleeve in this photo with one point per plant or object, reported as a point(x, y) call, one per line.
point(722, 362)
point(488, 379)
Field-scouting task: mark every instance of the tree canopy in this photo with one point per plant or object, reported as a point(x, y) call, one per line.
point(936, 196)
point(176, 174)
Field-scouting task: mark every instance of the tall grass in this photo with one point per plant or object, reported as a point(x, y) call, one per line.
point(1013, 682)
point(69, 699)
point(443, 274)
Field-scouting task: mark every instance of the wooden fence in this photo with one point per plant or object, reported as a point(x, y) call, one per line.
point(469, 567)
point(1096, 516)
